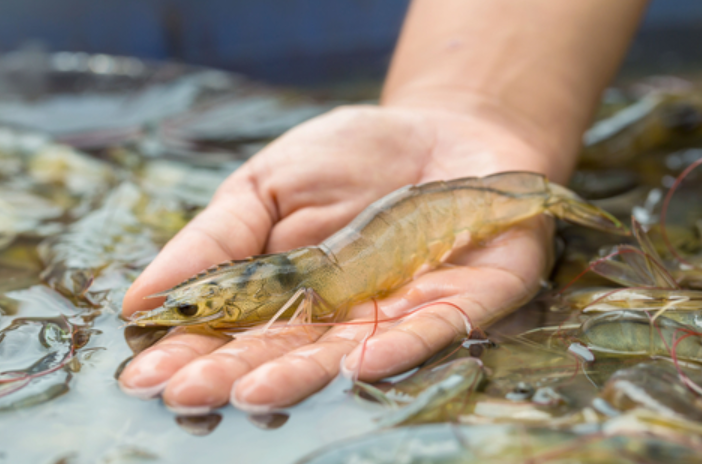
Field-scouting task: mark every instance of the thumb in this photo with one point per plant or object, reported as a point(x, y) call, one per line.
point(235, 225)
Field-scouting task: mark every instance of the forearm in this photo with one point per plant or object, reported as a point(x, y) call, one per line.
point(538, 66)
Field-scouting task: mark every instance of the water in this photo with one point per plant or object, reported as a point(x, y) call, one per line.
point(95, 422)
point(76, 229)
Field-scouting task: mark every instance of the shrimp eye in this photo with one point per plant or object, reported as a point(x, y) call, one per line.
point(188, 310)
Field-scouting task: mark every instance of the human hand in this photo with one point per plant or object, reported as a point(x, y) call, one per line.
point(299, 190)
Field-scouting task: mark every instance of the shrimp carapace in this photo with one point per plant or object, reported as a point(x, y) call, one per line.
point(406, 233)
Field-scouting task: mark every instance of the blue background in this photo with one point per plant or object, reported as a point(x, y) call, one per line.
point(282, 41)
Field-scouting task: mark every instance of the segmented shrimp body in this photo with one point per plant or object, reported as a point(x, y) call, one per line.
point(410, 231)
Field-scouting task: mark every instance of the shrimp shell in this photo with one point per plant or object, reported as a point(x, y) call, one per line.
point(410, 231)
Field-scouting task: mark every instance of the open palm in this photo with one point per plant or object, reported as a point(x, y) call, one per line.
point(298, 191)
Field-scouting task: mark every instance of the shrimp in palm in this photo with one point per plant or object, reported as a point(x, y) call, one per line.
point(407, 233)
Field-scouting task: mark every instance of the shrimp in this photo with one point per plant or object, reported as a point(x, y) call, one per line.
point(633, 333)
point(397, 238)
point(600, 299)
point(654, 385)
point(648, 283)
point(658, 121)
point(429, 394)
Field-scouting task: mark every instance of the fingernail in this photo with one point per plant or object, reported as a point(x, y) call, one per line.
point(252, 408)
point(348, 371)
point(143, 393)
point(195, 388)
point(249, 407)
point(189, 410)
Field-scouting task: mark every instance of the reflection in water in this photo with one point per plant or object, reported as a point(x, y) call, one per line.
point(269, 421)
point(199, 425)
point(121, 367)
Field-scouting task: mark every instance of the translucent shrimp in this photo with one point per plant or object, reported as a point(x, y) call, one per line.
point(658, 121)
point(635, 437)
point(634, 334)
point(429, 394)
point(401, 236)
point(648, 283)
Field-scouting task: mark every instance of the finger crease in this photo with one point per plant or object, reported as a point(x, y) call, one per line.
point(448, 322)
point(470, 300)
point(313, 360)
point(234, 357)
point(525, 285)
point(425, 344)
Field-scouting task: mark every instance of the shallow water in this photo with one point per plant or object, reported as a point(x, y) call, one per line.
point(76, 229)
point(95, 422)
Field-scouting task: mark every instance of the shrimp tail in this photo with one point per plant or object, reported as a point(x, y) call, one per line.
point(566, 205)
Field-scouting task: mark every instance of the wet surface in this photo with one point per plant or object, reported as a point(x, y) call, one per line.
point(454, 444)
point(270, 421)
point(602, 363)
point(199, 425)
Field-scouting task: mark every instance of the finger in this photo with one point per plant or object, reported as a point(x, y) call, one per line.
point(416, 339)
point(302, 372)
point(206, 382)
point(146, 376)
point(235, 225)
point(490, 294)
point(299, 373)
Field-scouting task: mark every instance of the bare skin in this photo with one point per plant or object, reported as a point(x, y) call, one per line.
point(317, 177)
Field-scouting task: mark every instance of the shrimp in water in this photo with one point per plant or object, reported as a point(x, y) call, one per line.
point(658, 122)
point(404, 234)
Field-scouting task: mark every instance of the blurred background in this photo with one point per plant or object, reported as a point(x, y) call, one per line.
point(292, 42)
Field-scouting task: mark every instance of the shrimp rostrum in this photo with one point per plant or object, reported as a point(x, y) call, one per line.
point(400, 236)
